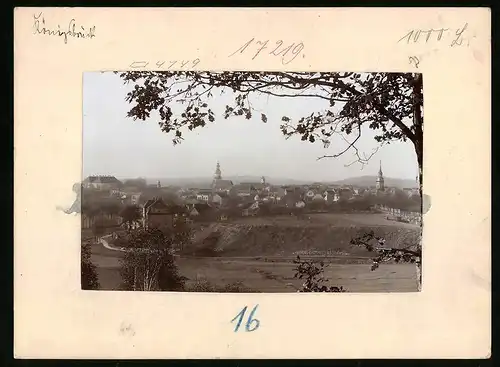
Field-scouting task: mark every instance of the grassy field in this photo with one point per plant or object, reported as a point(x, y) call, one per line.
point(275, 273)
point(277, 276)
point(107, 263)
point(325, 219)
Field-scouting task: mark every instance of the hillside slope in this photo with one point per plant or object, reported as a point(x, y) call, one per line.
point(230, 239)
point(366, 181)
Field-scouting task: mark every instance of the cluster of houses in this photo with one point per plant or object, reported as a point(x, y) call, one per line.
point(224, 196)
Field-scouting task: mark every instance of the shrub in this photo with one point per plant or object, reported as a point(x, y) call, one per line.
point(149, 265)
point(89, 278)
point(312, 272)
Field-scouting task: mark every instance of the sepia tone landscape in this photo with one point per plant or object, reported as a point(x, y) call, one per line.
point(252, 182)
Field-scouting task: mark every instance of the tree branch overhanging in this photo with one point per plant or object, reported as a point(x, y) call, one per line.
point(382, 100)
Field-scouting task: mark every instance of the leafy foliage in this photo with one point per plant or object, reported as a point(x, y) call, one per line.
point(89, 206)
point(312, 273)
point(111, 206)
point(89, 278)
point(149, 264)
point(130, 214)
point(99, 227)
point(140, 183)
point(97, 202)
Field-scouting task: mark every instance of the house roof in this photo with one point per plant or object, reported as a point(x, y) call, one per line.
point(204, 191)
point(101, 179)
point(223, 184)
point(243, 187)
point(202, 207)
point(255, 185)
point(158, 202)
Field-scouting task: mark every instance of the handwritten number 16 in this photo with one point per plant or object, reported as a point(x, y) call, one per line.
point(251, 325)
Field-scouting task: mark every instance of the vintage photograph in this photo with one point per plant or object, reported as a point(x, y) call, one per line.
point(199, 181)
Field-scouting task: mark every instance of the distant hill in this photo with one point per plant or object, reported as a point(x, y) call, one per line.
point(370, 181)
point(355, 181)
point(205, 181)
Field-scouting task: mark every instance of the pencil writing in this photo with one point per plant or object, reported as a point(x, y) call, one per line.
point(71, 30)
point(162, 64)
point(457, 36)
point(414, 60)
point(286, 52)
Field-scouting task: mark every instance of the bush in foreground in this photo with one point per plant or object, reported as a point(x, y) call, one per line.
point(312, 272)
point(89, 278)
point(149, 264)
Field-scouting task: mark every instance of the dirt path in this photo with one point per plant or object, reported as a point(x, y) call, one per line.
point(107, 245)
point(268, 275)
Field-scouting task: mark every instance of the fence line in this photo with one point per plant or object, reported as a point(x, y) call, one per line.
point(411, 217)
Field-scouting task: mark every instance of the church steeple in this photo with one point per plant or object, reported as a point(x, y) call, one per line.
point(218, 174)
point(380, 179)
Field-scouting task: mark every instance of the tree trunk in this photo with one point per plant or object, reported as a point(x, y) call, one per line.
point(419, 275)
point(420, 160)
point(418, 123)
point(418, 141)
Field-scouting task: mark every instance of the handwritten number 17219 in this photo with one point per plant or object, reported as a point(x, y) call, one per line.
point(251, 324)
point(288, 52)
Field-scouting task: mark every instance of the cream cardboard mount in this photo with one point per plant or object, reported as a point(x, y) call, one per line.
point(449, 318)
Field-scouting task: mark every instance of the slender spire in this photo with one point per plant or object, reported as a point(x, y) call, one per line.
point(380, 179)
point(218, 174)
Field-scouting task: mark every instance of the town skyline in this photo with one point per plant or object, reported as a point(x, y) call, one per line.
point(361, 180)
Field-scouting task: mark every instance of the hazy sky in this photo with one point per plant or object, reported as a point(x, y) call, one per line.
point(116, 145)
